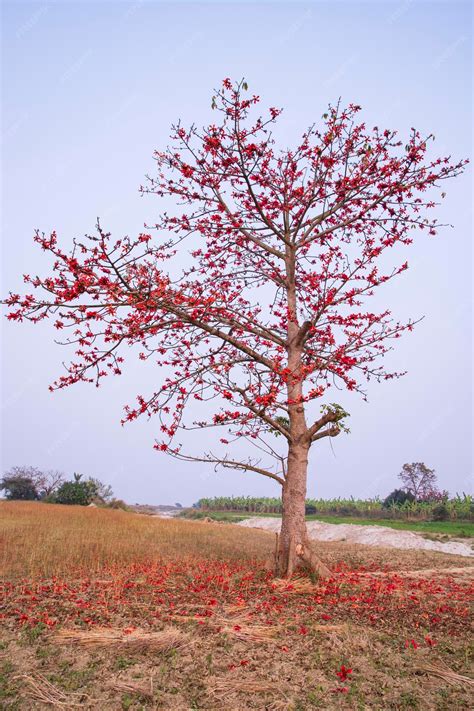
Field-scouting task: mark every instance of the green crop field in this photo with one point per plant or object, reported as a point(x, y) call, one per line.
point(460, 529)
point(458, 508)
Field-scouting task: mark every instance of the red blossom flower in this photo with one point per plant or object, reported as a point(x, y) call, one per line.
point(344, 673)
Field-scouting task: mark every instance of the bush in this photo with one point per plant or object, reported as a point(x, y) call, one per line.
point(82, 492)
point(74, 493)
point(77, 492)
point(348, 510)
point(117, 504)
point(440, 513)
point(398, 497)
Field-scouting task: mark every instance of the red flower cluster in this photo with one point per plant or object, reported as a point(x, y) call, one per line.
point(148, 594)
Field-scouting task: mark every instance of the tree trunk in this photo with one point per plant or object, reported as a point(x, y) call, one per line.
point(293, 546)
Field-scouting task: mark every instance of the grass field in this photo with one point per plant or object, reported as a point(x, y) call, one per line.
point(461, 529)
point(107, 609)
point(447, 528)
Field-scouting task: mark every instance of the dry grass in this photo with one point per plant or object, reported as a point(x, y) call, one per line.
point(242, 630)
point(447, 675)
point(134, 643)
point(295, 585)
point(228, 685)
point(38, 688)
point(55, 540)
point(146, 692)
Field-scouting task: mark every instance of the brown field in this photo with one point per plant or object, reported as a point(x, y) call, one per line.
point(104, 609)
point(54, 540)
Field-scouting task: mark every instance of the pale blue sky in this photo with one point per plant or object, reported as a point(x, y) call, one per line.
point(90, 89)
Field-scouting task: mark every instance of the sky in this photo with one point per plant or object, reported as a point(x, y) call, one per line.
point(90, 90)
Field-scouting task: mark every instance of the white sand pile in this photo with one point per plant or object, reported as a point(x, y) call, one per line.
point(380, 536)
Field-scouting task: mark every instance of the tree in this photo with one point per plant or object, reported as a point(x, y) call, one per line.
point(82, 492)
point(74, 493)
point(49, 481)
point(267, 310)
point(420, 481)
point(19, 487)
point(397, 497)
point(98, 490)
point(44, 483)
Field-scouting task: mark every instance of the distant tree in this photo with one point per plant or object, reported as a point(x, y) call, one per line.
point(82, 492)
point(397, 497)
point(99, 490)
point(74, 492)
point(420, 481)
point(21, 482)
point(44, 483)
point(19, 487)
point(26, 472)
point(48, 482)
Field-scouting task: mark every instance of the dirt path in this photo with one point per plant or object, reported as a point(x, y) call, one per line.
point(379, 536)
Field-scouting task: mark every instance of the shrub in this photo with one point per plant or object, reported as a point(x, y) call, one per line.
point(74, 493)
point(117, 504)
point(348, 510)
point(397, 497)
point(82, 492)
point(440, 512)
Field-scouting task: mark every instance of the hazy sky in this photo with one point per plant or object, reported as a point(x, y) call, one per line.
point(90, 89)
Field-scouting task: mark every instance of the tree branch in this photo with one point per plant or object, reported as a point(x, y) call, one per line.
point(330, 432)
point(228, 464)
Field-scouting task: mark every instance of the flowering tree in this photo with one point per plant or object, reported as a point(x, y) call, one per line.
point(269, 311)
point(421, 482)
